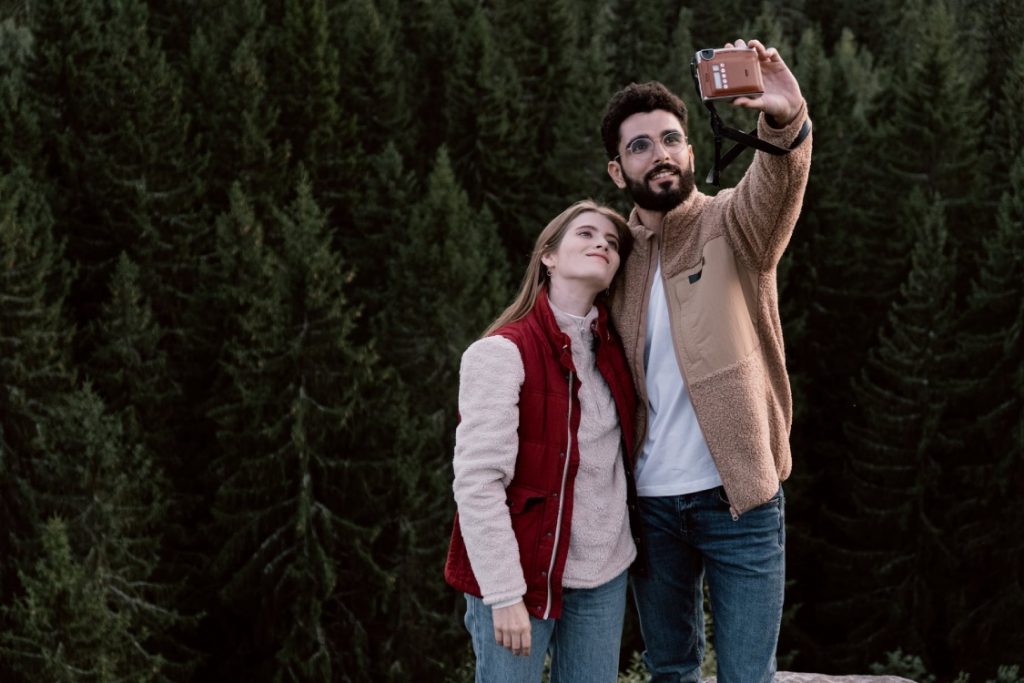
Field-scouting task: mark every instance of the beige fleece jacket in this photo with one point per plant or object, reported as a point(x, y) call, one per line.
point(719, 257)
point(600, 544)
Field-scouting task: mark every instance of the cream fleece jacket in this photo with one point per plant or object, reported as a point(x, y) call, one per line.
point(486, 444)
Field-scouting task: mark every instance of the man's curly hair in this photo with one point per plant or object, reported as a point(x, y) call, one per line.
point(637, 98)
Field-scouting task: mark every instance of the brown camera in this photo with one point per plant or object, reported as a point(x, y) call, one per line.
point(728, 73)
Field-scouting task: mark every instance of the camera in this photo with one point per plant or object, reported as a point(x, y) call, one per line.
point(727, 73)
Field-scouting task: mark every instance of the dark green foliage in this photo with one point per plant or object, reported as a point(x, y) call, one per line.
point(233, 104)
point(125, 169)
point(446, 283)
point(128, 367)
point(993, 340)
point(19, 130)
point(34, 368)
point(62, 629)
point(292, 545)
point(244, 244)
point(902, 470)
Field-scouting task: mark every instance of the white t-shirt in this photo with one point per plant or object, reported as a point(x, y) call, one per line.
point(675, 458)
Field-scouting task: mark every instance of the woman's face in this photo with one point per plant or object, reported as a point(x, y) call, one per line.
point(588, 255)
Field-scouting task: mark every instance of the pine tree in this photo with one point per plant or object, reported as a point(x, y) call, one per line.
point(447, 282)
point(34, 356)
point(376, 85)
point(993, 344)
point(577, 162)
point(305, 77)
point(125, 167)
point(1008, 124)
point(935, 148)
point(832, 305)
point(490, 147)
point(128, 368)
point(90, 473)
point(62, 628)
point(19, 129)
point(233, 104)
point(645, 29)
point(294, 501)
point(902, 468)
point(379, 223)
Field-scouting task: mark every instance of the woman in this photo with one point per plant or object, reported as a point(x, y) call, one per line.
point(542, 464)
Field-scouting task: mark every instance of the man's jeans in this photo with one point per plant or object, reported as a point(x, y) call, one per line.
point(686, 536)
point(584, 641)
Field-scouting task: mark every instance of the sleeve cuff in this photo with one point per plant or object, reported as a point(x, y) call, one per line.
point(782, 137)
point(507, 603)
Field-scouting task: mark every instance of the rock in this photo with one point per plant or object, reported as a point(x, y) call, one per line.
point(792, 677)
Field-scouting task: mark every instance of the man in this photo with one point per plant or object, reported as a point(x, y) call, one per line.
point(698, 316)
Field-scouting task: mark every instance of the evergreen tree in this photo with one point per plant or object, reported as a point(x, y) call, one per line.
point(447, 282)
point(429, 33)
point(234, 106)
point(993, 334)
point(19, 129)
point(34, 358)
point(92, 474)
point(380, 221)
point(126, 169)
point(641, 31)
point(128, 368)
point(902, 471)
point(936, 148)
point(490, 148)
point(305, 77)
point(1008, 125)
point(832, 305)
point(376, 91)
point(294, 499)
point(577, 162)
point(62, 628)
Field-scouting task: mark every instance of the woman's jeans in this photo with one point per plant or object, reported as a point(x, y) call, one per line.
point(584, 641)
point(687, 536)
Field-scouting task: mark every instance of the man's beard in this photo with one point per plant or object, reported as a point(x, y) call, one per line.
point(660, 200)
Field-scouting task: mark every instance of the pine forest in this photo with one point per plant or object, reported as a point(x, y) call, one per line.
point(244, 243)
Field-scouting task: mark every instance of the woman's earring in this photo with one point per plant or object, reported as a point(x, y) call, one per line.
point(549, 273)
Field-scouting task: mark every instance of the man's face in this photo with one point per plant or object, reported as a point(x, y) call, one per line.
point(655, 163)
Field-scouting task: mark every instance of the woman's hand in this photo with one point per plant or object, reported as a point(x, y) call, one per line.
point(512, 628)
point(781, 99)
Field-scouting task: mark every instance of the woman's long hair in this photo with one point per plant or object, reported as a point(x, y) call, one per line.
point(547, 242)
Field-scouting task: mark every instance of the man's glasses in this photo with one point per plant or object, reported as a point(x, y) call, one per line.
point(642, 146)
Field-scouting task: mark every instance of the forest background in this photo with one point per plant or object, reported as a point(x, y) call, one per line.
point(243, 245)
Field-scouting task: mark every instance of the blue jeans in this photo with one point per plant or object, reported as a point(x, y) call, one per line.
point(686, 536)
point(584, 641)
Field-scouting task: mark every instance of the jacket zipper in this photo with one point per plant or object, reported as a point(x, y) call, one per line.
point(561, 496)
point(652, 256)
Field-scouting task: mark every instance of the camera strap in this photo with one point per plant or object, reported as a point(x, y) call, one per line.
point(743, 140)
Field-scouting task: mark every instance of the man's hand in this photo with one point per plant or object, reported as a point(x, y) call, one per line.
point(781, 99)
point(512, 628)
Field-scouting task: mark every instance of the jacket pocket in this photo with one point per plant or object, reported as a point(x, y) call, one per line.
point(526, 508)
point(712, 321)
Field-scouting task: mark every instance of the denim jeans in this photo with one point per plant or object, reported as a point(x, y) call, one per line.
point(584, 641)
point(686, 536)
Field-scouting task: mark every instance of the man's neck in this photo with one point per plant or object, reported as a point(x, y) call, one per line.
point(651, 220)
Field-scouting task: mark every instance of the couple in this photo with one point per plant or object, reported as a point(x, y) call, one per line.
point(579, 455)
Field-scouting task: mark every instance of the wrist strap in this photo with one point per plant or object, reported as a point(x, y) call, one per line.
point(743, 141)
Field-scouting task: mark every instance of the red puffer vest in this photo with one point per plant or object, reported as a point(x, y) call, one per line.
point(540, 496)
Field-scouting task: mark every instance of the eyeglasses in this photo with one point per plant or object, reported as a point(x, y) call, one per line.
point(642, 146)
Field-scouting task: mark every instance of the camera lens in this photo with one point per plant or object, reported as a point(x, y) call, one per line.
point(707, 54)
